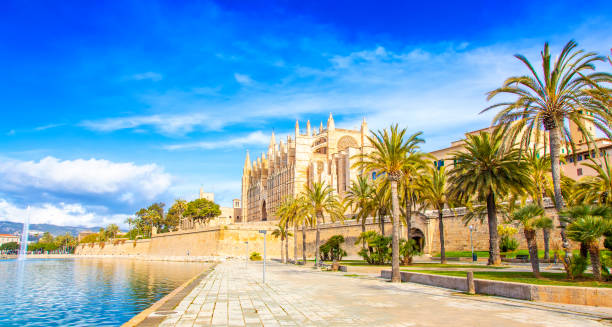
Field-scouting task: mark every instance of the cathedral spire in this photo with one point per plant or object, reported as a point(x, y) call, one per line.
point(247, 161)
point(272, 142)
point(297, 128)
point(321, 128)
point(308, 128)
point(330, 122)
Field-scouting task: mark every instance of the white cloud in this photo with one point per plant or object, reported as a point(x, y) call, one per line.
point(437, 88)
point(125, 181)
point(255, 138)
point(243, 79)
point(155, 77)
point(62, 214)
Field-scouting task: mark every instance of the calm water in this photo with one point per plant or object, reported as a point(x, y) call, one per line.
point(85, 292)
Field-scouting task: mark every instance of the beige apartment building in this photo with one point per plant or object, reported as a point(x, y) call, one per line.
point(323, 155)
point(572, 167)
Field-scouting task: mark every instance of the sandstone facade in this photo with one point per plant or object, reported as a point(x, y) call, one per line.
point(323, 155)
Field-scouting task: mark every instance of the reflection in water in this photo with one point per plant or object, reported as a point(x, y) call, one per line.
point(85, 292)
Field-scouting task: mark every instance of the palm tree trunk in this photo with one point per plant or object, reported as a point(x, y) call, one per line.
point(282, 249)
point(594, 251)
point(494, 257)
point(546, 232)
point(286, 243)
point(317, 241)
point(295, 247)
point(532, 245)
point(381, 221)
point(363, 242)
point(555, 145)
point(441, 232)
point(395, 264)
point(409, 220)
point(304, 242)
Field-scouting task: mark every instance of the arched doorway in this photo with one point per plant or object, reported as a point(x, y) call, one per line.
point(417, 235)
point(264, 213)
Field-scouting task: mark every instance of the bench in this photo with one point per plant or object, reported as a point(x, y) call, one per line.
point(523, 257)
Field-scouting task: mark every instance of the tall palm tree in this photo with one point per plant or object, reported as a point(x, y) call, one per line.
point(544, 102)
point(434, 194)
point(411, 172)
point(284, 234)
point(488, 170)
point(391, 147)
point(359, 198)
point(589, 230)
point(381, 202)
point(321, 201)
point(285, 213)
point(530, 217)
point(596, 189)
point(539, 174)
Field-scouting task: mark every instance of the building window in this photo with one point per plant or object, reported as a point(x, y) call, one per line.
point(374, 175)
point(579, 172)
point(579, 157)
point(571, 159)
point(586, 156)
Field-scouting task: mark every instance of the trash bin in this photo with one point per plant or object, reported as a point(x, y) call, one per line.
point(474, 257)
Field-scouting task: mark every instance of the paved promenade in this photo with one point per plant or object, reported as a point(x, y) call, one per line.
point(233, 295)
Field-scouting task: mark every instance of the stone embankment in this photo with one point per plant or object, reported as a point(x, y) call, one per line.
point(593, 296)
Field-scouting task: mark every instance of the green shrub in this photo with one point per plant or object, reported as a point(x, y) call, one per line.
point(10, 246)
point(378, 249)
point(608, 242)
point(578, 265)
point(506, 240)
point(331, 249)
point(255, 256)
point(408, 249)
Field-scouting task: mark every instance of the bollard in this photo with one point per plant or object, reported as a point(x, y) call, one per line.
point(470, 283)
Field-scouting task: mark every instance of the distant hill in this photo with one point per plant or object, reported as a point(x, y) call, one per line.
point(7, 227)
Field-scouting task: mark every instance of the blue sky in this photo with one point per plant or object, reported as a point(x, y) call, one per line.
point(108, 106)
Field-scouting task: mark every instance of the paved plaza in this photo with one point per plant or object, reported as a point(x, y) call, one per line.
point(234, 295)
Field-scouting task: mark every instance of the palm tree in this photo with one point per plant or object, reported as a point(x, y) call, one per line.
point(321, 201)
point(359, 198)
point(596, 189)
point(381, 202)
point(589, 230)
point(530, 217)
point(391, 148)
point(577, 212)
point(282, 232)
point(488, 170)
point(544, 102)
point(539, 174)
point(411, 172)
point(434, 194)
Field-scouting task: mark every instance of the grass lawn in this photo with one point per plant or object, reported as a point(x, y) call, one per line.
point(510, 255)
point(558, 279)
point(419, 265)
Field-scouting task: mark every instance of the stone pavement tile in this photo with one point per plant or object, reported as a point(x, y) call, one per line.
point(232, 295)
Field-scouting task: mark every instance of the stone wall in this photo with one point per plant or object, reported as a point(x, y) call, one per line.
point(229, 240)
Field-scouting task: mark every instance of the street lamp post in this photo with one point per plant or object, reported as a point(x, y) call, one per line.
point(264, 257)
point(246, 264)
point(472, 242)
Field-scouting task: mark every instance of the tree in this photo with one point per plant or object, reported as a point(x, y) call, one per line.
point(176, 212)
point(596, 189)
point(380, 203)
point(111, 230)
point(589, 230)
point(539, 174)
point(434, 194)
point(359, 198)
point(486, 171)
point(202, 210)
point(321, 201)
point(282, 232)
point(577, 212)
point(411, 174)
point(531, 217)
point(391, 148)
point(287, 212)
point(10, 246)
point(544, 102)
